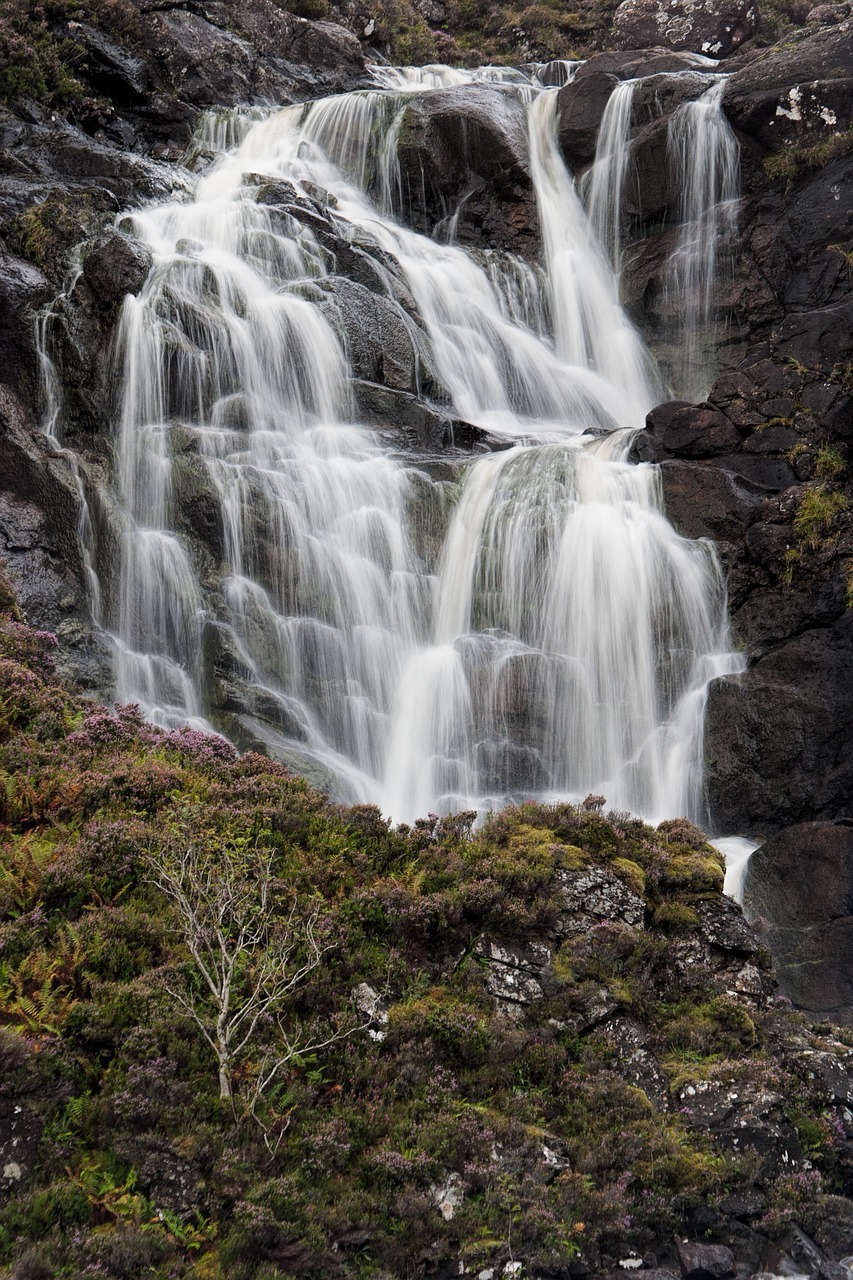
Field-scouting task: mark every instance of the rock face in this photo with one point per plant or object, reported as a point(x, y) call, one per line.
point(764, 468)
point(463, 151)
point(583, 100)
point(799, 885)
point(799, 92)
point(715, 27)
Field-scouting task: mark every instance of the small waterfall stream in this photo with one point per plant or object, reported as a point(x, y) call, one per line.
point(554, 635)
point(702, 144)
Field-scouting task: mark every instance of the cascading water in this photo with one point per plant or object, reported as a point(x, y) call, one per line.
point(561, 638)
point(702, 145)
point(604, 181)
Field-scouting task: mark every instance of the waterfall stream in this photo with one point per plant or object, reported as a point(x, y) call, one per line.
point(427, 637)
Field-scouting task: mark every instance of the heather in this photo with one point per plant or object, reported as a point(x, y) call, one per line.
point(399, 1128)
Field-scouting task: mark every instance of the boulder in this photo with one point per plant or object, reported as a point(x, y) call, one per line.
point(800, 884)
point(382, 343)
point(108, 67)
point(463, 151)
point(715, 27)
point(660, 94)
point(708, 502)
point(776, 738)
point(115, 266)
point(681, 430)
point(700, 1261)
point(581, 106)
point(797, 91)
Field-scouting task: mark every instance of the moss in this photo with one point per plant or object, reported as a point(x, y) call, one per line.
point(46, 232)
point(694, 873)
point(793, 161)
point(632, 874)
point(676, 917)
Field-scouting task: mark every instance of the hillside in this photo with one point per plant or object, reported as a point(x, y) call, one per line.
point(551, 1046)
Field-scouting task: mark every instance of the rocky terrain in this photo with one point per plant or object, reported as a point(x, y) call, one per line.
point(549, 1048)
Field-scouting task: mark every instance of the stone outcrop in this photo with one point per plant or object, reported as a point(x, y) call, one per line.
point(715, 28)
point(799, 889)
point(764, 469)
point(799, 92)
point(463, 153)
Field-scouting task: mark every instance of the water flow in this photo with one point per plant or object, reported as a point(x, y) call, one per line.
point(591, 329)
point(703, 147)
point(563, 637)
point(604, 181)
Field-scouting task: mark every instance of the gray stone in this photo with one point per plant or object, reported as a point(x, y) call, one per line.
point(713, 27)
point(116, 266)
point(20, 1135)
point(594, 895)
point(701, 1261)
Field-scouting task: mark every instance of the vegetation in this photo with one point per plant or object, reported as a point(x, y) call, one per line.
point(793, 161)
point(161, 898)
point(37, 60)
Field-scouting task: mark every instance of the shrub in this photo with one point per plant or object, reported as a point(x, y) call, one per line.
point(816, 512)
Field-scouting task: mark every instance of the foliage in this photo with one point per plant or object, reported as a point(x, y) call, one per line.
point(793, 161)
point(36, 60)
point(144, 873)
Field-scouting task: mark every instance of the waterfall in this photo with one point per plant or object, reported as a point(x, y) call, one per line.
point(603, 182)
point(428, 638)
point(703, 147)
point(591, 329)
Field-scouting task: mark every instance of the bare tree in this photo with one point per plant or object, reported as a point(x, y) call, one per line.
point(249, 953)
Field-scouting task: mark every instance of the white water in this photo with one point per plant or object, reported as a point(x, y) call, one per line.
point(605, 179)
point(560, 641)
point(737, 851)
point(703, 146)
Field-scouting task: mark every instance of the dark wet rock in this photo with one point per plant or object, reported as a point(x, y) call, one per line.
point(198, 504)
point(383, 344)
point(660, 94)
point(704, 1261)
point(706, 502)
point(800, 883)
point(108, 67)
point(463, 151)
point(788, 719)
point(115, 266)
point(800, 91)
point(715, 28)
point(23, 288)
point(39, 513)
point(581, 107)
point(418, 424)
point(680, 430)
point(797, 92)
point(216, 55)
